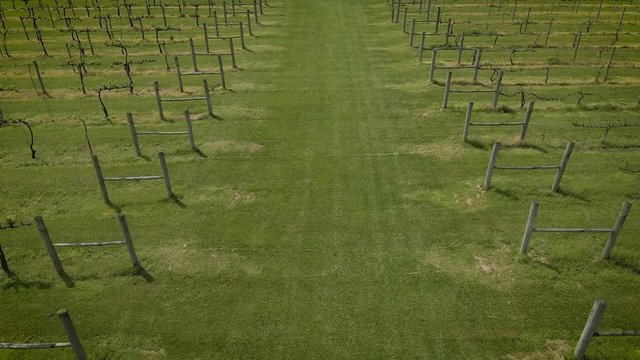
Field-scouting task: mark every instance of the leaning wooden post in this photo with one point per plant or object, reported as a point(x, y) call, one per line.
point(595, 316)
point(404, 20)
point(491, 166)
point(496, 96)
point(221, 66)
point(476, 64)
point(562, 167)
point(413, 32)
point(165, 174)
point(232, 50)
point(3, 262)
point(179, 72)
point(615, 231)
point(422, 40)
point(192, 141)
point(460, 48)
point(242, 44)
point(513, 15)
point(526, 22)
point(575, 51)
point(206, 38)
point(447, 88)
point(156, 88)
point(134, 134)
point(46, 239)
point(103, 185)
point(127, 239)
point(448, 33)
point(467, 122)
point(438, 20)
point(216, 25)
point(531, 224)
point(255, 10)
point(606, 73)
point(249, 23)
point(39, 76)
point(207, 97)
point(432, 69)
point(193, 55)
point(599, 10)
point(525, 122)
point(72, 335)
point(546, 37)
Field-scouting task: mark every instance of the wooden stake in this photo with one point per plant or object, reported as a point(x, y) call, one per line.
point(595, 316)
point(624, 212)
point(221, 67)
point(525, 122)
point(134, 134)
point(165, 174)
point(192, 141)
point(606, 73)
point(72, 335)
point(476, 64)
point(100, 176)
point(491, 166)
point(421, 52)
point(531, 223)
point(447, 88)
point(432, 69)
point(156, 88)
point(207, 97)
point(193, 55)
point(467, 122)
point(546, 37)
point(127, 239)
point(496, 96)
point(3, 262)
point(562, 167)
point(46, 240)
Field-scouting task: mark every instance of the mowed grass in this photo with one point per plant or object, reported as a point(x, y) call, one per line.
point(334, 212)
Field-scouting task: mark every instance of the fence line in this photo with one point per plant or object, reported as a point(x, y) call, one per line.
point(591, 329)
point(197, 71)
point(135, 133)
point(206, 98)
point(560, 168)
point(231, 53)
point(475, 66)
point(102, 180)
point(613, 232)
point(72, 335)
point(524, 123)
point(496, 92)
point(53, 253)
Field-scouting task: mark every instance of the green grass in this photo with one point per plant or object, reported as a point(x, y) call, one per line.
point(335, 212)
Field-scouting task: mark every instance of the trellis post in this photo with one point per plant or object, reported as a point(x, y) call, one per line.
point(615, 231)
point(492, 164)
point(67, 324)
point(447, 88)
point(498, 89)
point(525, 122)
point(467, 122)
point(134, 134)
point(192, 140)
point(563, 165)
point(595, 316)
point(531, 223)
point(100, 176)
point(46, 239)
point(127, 239)
point(165, 174)
point(156, 88)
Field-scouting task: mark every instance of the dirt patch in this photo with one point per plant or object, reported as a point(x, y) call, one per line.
point(555, 350)
point(239, 196)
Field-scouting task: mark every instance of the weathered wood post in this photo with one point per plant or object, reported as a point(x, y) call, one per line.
point(192, 141)
point(615, 231)
point(127, 239)
point(421, 51)
point(134, 134)
point(100, 176)
point(606, 73)
point(599, 9)
point(491, 166)
point(513, 15)
point(528, 230)
point(412, 33)
point(526, 22)
point(447, 88)
point(428, 10)
point(221, 67)
point(438, 20)
point(476, 64)
point(205, 29)
point(525, 122)
point(577, 45)
point(562, 167)
point(546, 37)
point(432, 68)
point(179, 73)
point(620, 23)
point(156, 88)
point(460, 48)
point(224, 13)
point(467, 122)
point(3, 262)
point(595, 316)
point(232, 51)
point(448, 33)
point(46, 240)
point(207, 97)
point(496, 96)
point(242, 43)
point(165, 174)
point(255, 10)
point(39, 76)
point(216, 25)
point(249, 23)
point(193, 55)
point(404, 20)
point(76, 345)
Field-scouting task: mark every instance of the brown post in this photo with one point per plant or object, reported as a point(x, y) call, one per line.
point(496, 96)
point(606, 73)
point(432, 69)
point(233, 53)
point(221, 67)
point(134, 134)
point(476, 64)
point(53, 254)
point(206, 38)
point(3, 262)
point(467, 122)
point(546, 38)
point(422, 40)
point(44, 91)
point(525, 122)
point(193, 55)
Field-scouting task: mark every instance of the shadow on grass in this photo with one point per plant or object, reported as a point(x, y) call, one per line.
point(114, 207)
point(200, 153)
point(176, 200)
point(625, 264)
point(506, 193)
point(17, 283)
point(574, 195)
point(477, 144)
point(67, 279)
point(139, 270)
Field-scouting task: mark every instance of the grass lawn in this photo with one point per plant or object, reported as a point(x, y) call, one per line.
point(333, 211)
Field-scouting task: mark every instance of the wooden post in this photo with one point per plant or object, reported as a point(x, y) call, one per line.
point(531, 223)
point(606, 73)
point(224, 12)
point(404, 20)
point(127, 239)
point(255, 10)
point(233, 53)
point(206, 38)
point(179, 73)
point(421, 52)
point(242, 44)
point(134, 134)
point(496, 96)
point(448, 33)
point(432, 69)
point(72, 335)
point(575, 51)
point(412, 33)
point(595, 316)
point(563, 166)
point(525, 122)
point(103, 185)
point(513, 15)
point(460, 48)
point(3, 262)
point(216, 26)
point(620, 23)
point(165, 174)
point(546, 37)
point(438, 20)
point(192, 141)
point(207, 97)
point(44, 91)
point(398, 14)
point(53, 254)
point(447, 88)
point(526, 22)
point(615, 231)
point(428, 10)
point(467, 122)
point(599, 9)
point(193, 55)
point(491, 166)
point(476, 64)
point(156, 88)
point(249, 22)
point(221, 67)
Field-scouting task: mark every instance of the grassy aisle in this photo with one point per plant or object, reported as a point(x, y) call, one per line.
point(335, 214)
